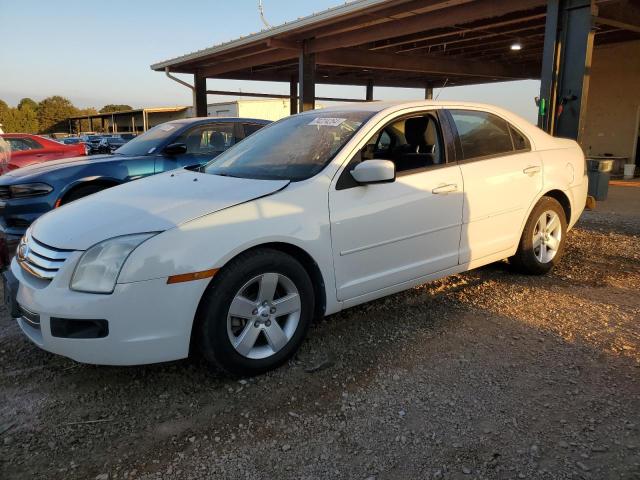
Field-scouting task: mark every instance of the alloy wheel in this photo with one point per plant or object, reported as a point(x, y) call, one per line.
point(547, 236)
point(263, 315)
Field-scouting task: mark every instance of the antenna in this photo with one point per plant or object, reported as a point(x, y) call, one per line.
point(261, 10)
point(442, 88)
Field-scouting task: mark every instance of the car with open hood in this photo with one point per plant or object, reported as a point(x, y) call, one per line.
point(312, 214)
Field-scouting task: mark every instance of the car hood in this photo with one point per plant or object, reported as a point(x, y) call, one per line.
point(149, 205)
point(53, 165)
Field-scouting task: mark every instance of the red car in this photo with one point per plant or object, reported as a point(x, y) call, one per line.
point(29, 149)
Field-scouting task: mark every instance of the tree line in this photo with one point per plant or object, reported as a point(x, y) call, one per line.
point(48, 116)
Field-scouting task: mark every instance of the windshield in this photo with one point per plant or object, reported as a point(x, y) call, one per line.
point(149, 141)
point(295, 148)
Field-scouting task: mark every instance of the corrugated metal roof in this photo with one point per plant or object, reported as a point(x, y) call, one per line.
point(286, 27)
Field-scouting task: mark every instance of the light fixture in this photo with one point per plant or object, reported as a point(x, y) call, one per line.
point(516, 46)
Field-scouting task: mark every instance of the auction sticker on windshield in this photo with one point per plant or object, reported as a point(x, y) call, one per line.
point(327, 122)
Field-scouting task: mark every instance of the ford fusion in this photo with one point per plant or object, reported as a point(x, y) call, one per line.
point(312, 214)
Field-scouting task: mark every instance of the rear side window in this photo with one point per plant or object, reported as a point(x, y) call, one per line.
point(519, 140)
point(250, 128)
point(25, 143)
point(482, 134)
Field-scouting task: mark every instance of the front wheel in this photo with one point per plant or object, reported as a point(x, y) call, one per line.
point(543, 238)
point(256, 312)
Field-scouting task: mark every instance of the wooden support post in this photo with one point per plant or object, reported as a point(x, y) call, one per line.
point(307, 81)
point(293, 95)
point(369, 95)
point(200, 95)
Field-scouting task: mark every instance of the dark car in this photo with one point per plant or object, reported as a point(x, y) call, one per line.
point(110, 144)
point(92, 142)
point(27, 193)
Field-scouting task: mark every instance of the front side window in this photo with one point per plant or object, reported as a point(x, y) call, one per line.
point(208, 139)
point(410, 143)
point(294, 148)
point(481, 133)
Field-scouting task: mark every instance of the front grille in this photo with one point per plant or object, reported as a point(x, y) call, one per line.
point(5, 193)
point(40, 259)
point(18, 223)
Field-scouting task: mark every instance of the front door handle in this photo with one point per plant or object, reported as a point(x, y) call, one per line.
point(532, 170)
point(451, 187)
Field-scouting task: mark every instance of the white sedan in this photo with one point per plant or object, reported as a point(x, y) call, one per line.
point(315, 213)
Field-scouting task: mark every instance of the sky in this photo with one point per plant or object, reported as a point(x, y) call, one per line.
point(95, 52)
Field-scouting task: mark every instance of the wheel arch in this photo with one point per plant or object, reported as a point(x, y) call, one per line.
point(107, 182)
point(301, 255)
point(562, 199)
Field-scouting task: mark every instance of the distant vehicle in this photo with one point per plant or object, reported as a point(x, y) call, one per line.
point(127, 136)
point(75, 141)
point(29, 149)
point(70, 140)
point(27, 193)
point(92, 141)
point(313, 214)
point(110, 144)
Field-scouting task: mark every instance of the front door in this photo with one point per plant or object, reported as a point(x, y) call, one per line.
point(386, 234)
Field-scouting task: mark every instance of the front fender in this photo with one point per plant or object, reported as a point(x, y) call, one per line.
point(297, 216)
point(88, 179)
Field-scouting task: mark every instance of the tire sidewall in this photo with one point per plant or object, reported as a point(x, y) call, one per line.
point(526, 257)
point(214, 340)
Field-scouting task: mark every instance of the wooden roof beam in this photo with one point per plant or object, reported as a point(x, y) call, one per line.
point(265, 58)
point(459, 32)
point(420, 23)
point(420, 64)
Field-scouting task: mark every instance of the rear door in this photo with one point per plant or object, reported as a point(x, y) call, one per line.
point(386, 234)
point(502, 177)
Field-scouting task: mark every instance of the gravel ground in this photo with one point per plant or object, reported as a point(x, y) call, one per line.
point(488, 374)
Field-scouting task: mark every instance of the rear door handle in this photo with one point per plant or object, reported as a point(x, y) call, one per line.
point(532, 170)
point(451, 187)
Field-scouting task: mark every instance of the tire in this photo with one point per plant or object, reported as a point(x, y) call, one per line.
point(540, 258)
point(80, 192)
point(253, 344)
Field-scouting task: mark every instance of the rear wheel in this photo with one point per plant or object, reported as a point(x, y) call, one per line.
point(256, 313)
point(543, 238)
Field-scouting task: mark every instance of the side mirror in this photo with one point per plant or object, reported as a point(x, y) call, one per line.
point(374, 171)
point(175, 149)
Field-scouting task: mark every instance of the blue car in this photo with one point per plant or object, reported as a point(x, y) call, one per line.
point(27, 193)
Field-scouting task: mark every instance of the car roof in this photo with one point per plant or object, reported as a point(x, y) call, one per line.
point(188, 121)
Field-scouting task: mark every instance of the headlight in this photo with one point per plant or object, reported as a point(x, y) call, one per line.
point(30, 190)
point(99, 267)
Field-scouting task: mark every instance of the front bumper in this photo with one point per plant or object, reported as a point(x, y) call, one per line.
point(148, 321)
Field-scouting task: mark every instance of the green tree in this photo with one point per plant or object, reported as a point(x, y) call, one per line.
point(28, 103)
point(53, 113)
point(4, 110)
point(115, 108)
